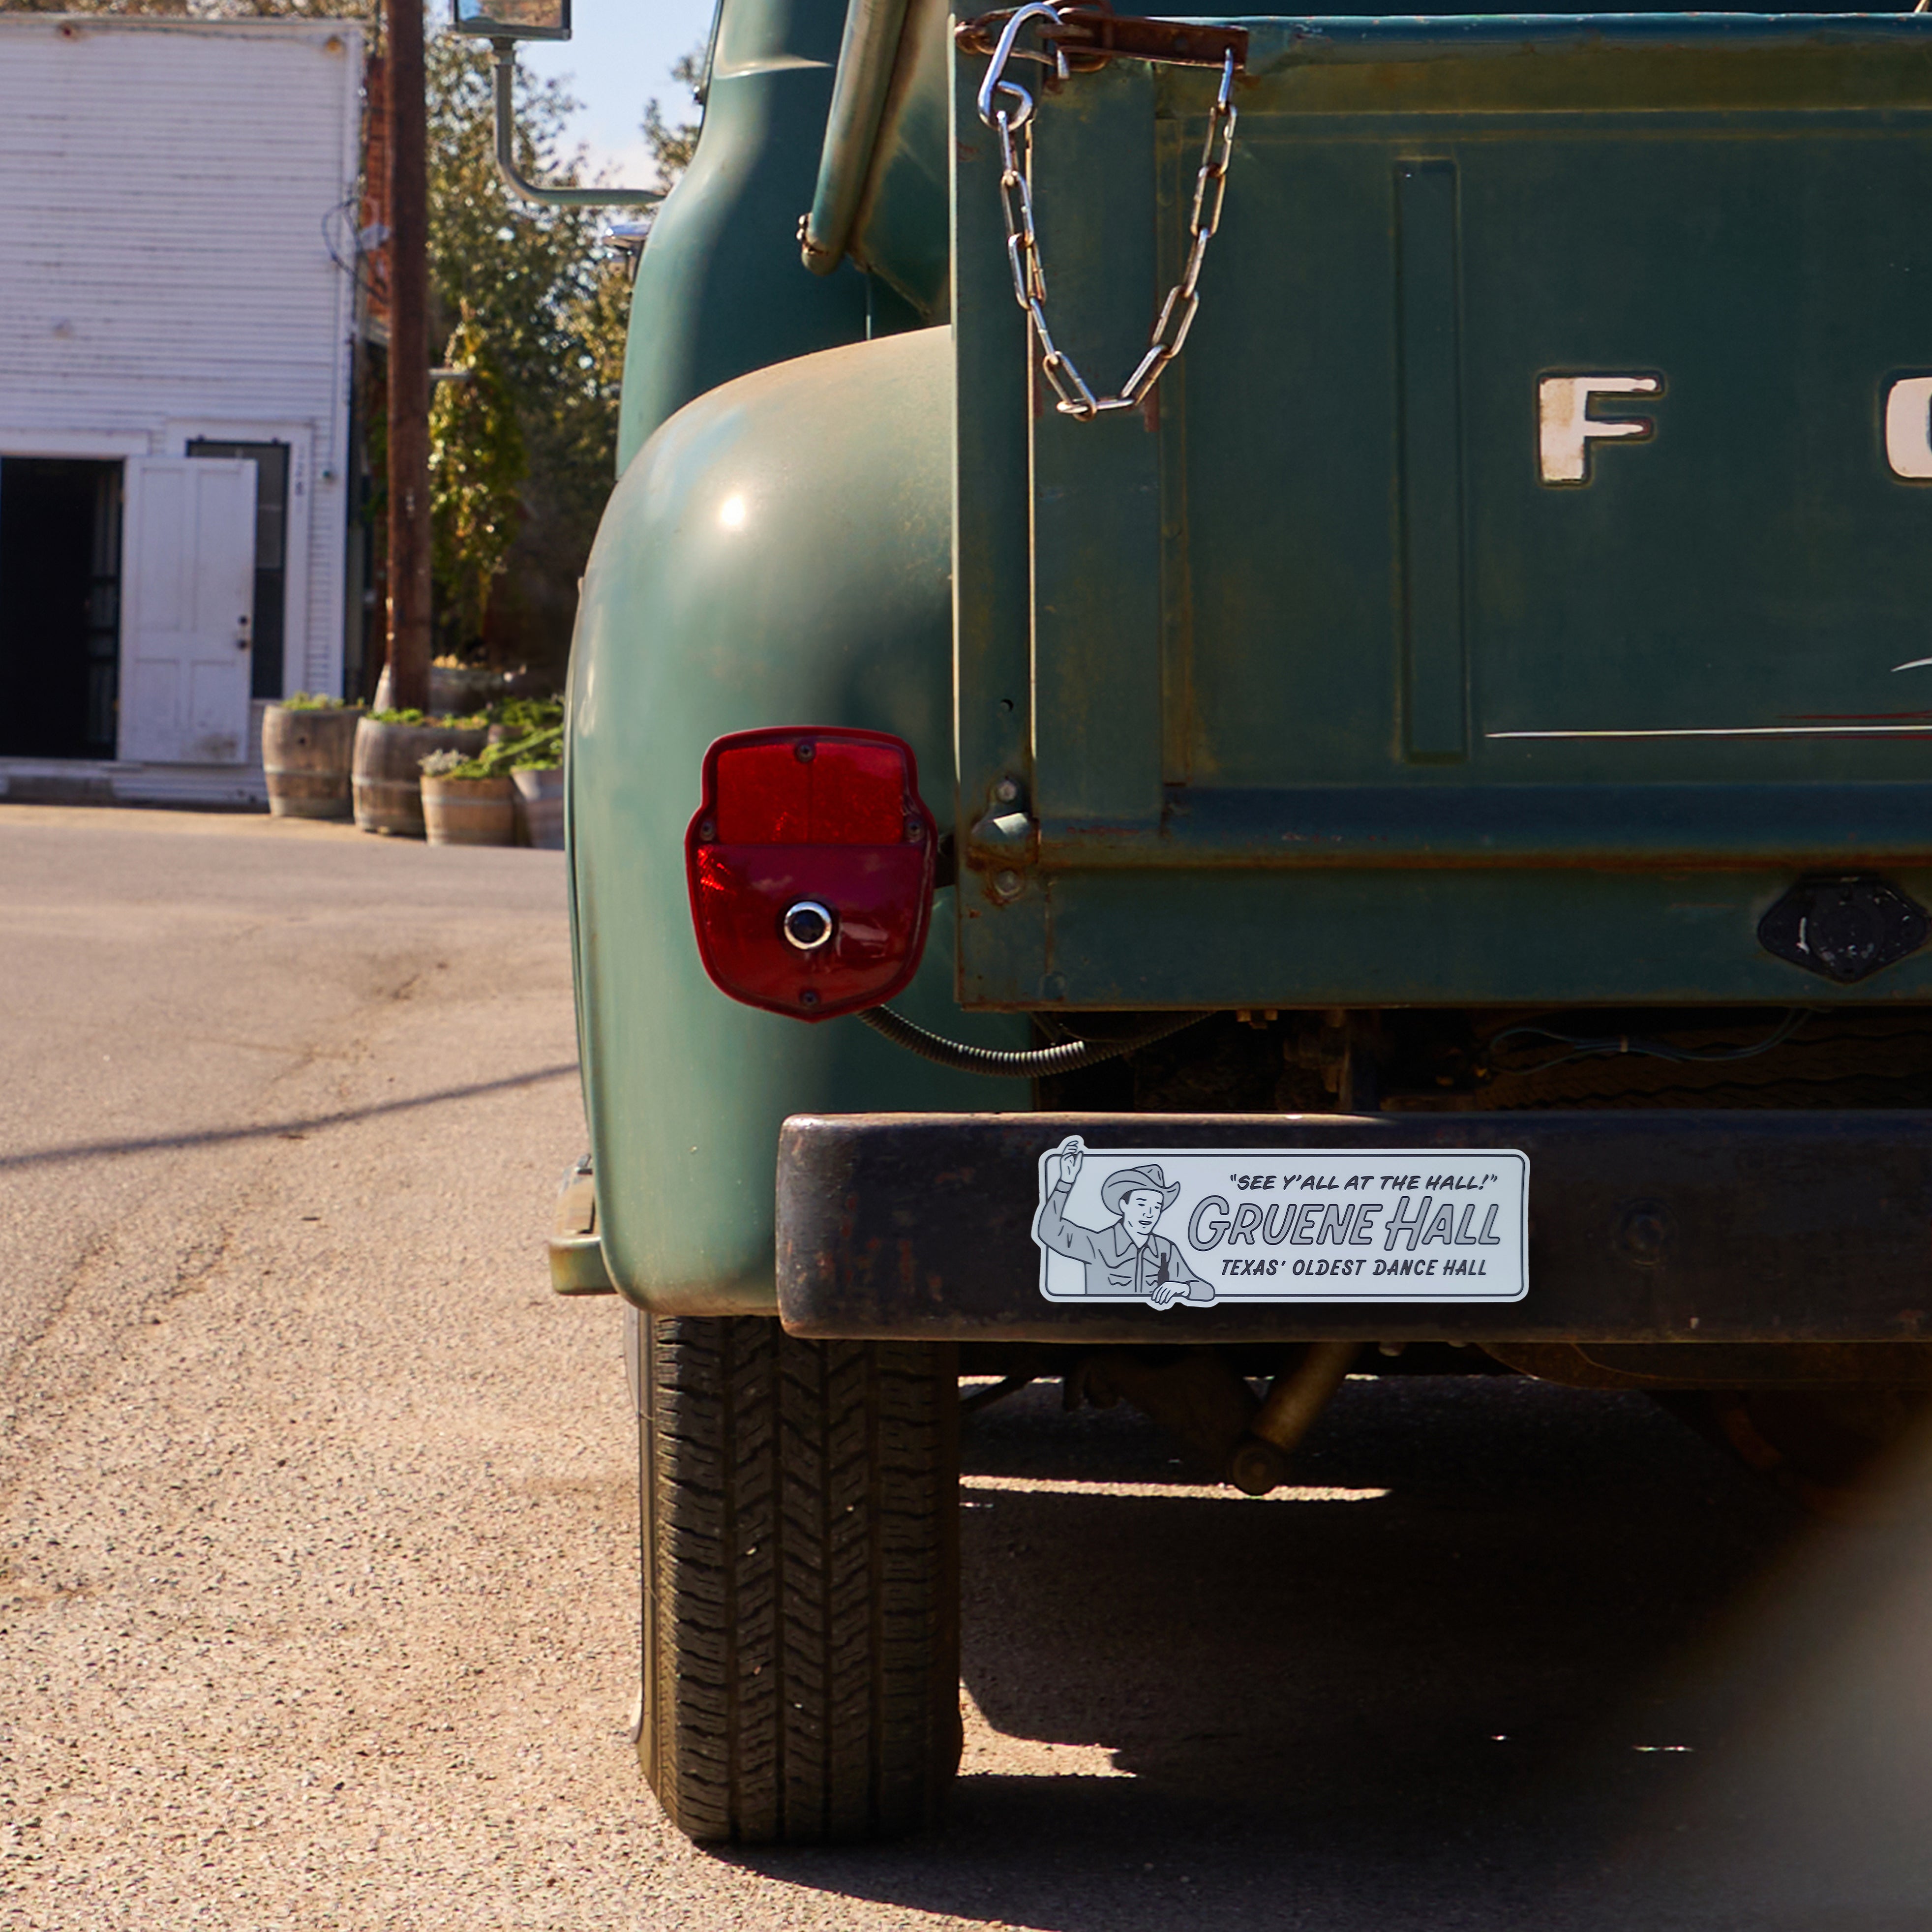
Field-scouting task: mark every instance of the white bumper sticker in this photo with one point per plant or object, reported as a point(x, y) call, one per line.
point(1194, 1226)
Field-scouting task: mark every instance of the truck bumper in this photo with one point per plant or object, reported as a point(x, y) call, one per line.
point(576, 1255)
point(1644, 1226)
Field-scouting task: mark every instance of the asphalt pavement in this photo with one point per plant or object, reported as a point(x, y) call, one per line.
point(317, 1525)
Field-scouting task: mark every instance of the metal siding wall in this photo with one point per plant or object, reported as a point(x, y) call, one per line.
point(162, 256)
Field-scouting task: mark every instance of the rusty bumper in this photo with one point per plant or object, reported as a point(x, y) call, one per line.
point(1644, 1226)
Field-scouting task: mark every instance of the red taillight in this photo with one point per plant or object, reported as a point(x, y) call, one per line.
point(811, 863)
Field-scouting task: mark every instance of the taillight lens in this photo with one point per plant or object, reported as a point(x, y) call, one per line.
point(810, 865)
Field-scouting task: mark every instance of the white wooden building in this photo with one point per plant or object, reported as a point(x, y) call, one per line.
point(177, 312)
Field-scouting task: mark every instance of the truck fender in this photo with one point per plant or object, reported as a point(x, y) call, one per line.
point(778, 553)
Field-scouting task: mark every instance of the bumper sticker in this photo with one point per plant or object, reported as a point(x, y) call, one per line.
point(1193, 1225)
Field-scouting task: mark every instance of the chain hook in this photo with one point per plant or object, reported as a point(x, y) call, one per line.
point(996, 81)
point(1072, 394)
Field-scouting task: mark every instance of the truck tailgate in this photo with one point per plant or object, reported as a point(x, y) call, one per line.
point(1523, 577)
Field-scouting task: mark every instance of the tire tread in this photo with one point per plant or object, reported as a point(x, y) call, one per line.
point(800, 1581)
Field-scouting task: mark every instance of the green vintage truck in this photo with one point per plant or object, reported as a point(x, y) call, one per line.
point(1166, 815)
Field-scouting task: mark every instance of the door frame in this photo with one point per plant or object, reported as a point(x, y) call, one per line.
point(61, 444)
point(299, 531)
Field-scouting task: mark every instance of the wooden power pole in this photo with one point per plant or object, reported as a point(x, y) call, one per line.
point(409, 530)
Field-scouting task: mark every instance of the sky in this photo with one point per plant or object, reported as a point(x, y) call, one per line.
point(620, 54)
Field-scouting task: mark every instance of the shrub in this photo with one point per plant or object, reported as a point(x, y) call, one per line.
point(524, 716)
point(543, 751)
point(445, 721)
point(452, 764)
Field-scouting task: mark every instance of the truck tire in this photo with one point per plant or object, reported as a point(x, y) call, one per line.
point(800, 1549)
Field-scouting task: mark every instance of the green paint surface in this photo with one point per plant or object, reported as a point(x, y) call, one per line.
point(725, 592)
point(1321, 608)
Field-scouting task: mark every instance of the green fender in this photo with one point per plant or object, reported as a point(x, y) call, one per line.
point(719, 288)
point(778, 553)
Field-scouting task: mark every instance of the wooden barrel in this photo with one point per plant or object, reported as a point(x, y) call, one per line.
point(540, 808)
point(305, 759)
point(467, 812)
point(386, 776)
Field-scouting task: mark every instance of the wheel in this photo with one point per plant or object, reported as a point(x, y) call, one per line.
point(800, 1549)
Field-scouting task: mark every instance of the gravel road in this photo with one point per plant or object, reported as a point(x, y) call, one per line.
point(317, 1525)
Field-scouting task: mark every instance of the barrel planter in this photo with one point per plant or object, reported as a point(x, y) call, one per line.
point(305, 755)
point(468, 811)
point(540, 809)
point(386, 778)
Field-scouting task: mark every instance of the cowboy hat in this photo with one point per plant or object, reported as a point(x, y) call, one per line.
point(1125, 1180)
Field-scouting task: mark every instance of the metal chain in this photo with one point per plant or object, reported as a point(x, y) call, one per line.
point(1074, 397)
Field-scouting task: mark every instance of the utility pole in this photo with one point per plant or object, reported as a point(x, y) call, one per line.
point(410, 533)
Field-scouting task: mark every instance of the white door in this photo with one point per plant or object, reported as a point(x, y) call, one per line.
point(188, 571)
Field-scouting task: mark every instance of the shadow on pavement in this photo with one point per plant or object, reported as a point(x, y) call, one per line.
point(56, 1156)
point(1509, 1680)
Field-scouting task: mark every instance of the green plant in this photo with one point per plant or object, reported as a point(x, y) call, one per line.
point(526, 715)
point(538, 751)
point(453, 764)
point(542, 752)
point(443, 721)
point(477, 468)
point(312, 700)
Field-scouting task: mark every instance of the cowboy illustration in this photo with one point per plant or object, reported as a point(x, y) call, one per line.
point(1126, 1256)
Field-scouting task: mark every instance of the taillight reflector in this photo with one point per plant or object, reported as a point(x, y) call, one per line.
point(810, 863)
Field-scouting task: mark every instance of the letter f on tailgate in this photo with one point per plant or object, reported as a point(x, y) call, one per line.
point(1565, 428)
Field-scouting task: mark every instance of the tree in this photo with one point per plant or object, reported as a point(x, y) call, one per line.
point(672, 143)
point(533, 285)
point(477, 469)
